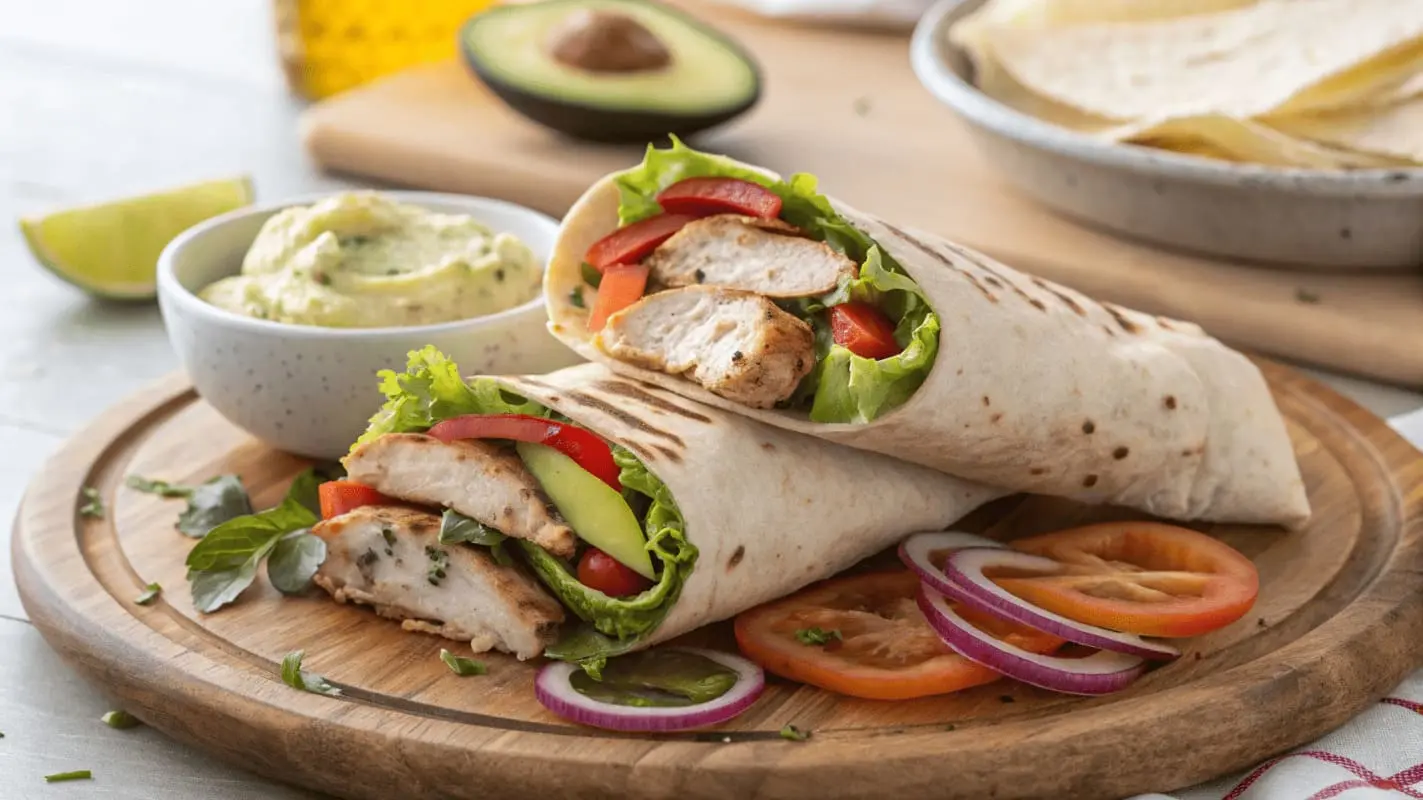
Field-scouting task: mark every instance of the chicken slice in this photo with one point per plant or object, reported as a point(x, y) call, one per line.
point(767, 257)
point(476, 478)
point(735, 344)
point(391, 558)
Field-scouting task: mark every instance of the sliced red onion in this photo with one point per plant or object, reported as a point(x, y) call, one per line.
point(1103, 672)
point(962, 579)
point(917, 548)
point(552, 688)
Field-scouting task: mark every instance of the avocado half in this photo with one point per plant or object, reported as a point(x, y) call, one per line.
point(699, 78)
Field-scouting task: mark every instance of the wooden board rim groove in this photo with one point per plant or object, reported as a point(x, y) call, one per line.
point(1385, 618)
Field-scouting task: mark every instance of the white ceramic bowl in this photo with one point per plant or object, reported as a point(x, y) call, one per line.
point(1361, 219)
point(310, 390)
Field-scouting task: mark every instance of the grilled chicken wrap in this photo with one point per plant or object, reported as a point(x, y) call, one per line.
point(799, 311)
point(500, 501)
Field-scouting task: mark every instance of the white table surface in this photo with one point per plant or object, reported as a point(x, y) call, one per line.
point(105, 99)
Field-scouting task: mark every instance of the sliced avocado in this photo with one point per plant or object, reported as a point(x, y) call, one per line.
point(610, 70)
point(599, 515)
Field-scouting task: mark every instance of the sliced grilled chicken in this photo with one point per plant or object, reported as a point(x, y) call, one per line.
point(476, 478)
point(767, 257)
point(391, 558)
point(736, 344)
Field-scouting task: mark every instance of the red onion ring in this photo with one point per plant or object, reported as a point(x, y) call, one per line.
point(962, 579)
point(1103, 672)
point(553, 690)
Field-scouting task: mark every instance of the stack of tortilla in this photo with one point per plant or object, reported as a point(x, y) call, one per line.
point(1324, 84)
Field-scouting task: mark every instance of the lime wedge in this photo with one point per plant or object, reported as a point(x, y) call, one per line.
point(111, 249)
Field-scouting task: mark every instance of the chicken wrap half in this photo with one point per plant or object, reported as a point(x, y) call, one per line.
point(583, 515)
point(731, 286)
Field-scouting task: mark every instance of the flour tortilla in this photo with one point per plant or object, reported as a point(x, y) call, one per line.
point(1394, 131)
point(1035, 387)
point(769, 511)
point(1280, 56)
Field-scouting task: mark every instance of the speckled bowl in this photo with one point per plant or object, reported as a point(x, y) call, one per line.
point(1365, 219)
point(310, 390)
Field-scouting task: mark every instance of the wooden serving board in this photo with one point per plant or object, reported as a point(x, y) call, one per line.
point(1339, 621)
point(846, 106)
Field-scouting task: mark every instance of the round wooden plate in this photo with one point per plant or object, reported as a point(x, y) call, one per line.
point(1339, 621)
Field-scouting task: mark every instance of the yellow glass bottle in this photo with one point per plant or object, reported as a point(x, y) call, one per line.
point(327, 46)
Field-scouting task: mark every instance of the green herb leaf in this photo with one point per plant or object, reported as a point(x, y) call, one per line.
point(575, 297)
point(439, 560)
point(213, 503)
point(293, 676)
point(294, 560)
point(121, 720)
point(461, 666)
point(591, 275)
point(160, 488)
point(816, 636)
point(225, 562)
point(93, 505)
point(76, 775)
point(304, 490)
point(794, 734)
point(594, 665)
point(456, 528)
point(150, 593)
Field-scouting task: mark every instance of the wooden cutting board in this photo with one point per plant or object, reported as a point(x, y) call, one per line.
point(845, 106)
point(1338, 623)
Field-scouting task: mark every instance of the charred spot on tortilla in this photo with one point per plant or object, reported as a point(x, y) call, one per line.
point(995, 418)
point(992, 281)
point(986, 400)
point(736, 557)
point(1089, 481)
point(767, 446)
point(640, 451)
point(937, 255)
point(1170, 402)
point(700, 275)
point(624, 417)
point(648, 398)
point(1121, 318)
point(1037, 471)
point(1038, 304)
point(1165, 323)
point(1120, 453)
point(1109, 331)
point(1089, 427)
point(1067, 299)
point(672, 455)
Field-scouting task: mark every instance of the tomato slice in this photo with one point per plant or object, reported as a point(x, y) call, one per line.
point(338, 497)
point(585, 448)
point(1139, 577)
point(706, 196)
point(885, 649)
point(864, 330)
point(622, 286)
point(631, 243)
point(600, 571)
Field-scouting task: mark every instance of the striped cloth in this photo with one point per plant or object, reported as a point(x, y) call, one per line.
point(1378, 755)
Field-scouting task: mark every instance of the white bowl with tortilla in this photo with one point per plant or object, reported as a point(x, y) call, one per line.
point(310, 390)
point(1314, 218)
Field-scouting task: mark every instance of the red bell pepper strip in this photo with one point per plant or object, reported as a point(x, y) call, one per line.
point(632, 243)
point(706, 196)
point(585, 448)
point(339, 497)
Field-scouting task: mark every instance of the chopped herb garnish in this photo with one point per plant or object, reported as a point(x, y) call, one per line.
point(499, 275)
point(575, 297)
point(1306, 296)
point(150, 593)
point(794, 734)
point(121, 720)
point(461, 666)
point(161, 488)
point(389, 536)
point(293, 676)
point(700, 275)
point(93, 505)
point(816, 636)
point(76, 775)
point(322, 278)
point(439, 559)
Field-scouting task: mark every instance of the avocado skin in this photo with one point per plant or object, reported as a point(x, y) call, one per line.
point(611, 126)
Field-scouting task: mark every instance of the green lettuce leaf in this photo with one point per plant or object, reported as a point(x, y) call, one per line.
point(843, 387)
point(431, 390)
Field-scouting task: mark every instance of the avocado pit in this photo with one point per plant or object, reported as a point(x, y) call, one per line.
point(606, 41)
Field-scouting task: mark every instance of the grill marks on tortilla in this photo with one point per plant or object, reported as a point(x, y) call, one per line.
point(645, 397)
point(934, 253)
point(1120, 316)
point(624, 417)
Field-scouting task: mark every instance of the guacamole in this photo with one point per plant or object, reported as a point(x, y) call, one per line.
point(362, 260)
